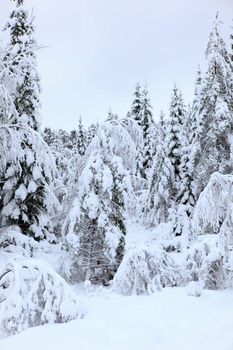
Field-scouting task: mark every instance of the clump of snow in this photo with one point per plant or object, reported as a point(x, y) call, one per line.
point(33, 294)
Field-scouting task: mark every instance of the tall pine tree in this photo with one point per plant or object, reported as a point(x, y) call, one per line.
point(20, 66)
point(215, 112)
point(27, 178)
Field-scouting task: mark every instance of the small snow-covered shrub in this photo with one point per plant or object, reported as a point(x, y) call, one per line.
point(215, 273)
point(145, 270)
point(206, 265)
point(33, 294)
point(214, 210)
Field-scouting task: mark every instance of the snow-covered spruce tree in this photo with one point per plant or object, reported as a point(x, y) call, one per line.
point(111, 116)
point(150, 134)
point(81, 142)
point(27, 168)
point(91, 132)
point(174, 137)
point(49, 136)
point(162, 123)
point(194, 120)
point(27, 182)
point(95, 228)
point(216, 112)
point(136, 107)
point(20, 66)
point(60, 142)
point(159, 199)
point(170, 192)
point(186, 197)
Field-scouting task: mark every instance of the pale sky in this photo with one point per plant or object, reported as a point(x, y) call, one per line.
point(96, 50)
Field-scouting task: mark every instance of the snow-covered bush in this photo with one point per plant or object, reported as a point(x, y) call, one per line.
point(145, 270)
point(33, 294)
point(205, 264)
point(214, 210)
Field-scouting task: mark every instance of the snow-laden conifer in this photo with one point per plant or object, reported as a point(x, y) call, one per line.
point(216, 112)
point(95, 227)
point(20, 66)
point(28, 174)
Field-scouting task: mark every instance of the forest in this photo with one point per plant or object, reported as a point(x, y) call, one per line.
point(131, 206)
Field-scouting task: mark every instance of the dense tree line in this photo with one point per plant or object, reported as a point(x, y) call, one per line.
point(82, 187)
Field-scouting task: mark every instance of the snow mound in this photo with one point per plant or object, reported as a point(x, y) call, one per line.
point(194, 289)
point(33, 294)
point(146, 270)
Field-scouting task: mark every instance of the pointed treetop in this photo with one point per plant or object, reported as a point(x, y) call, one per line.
point(18, 2)
point(215, 43)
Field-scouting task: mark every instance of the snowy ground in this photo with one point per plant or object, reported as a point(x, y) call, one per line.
point(167, 320)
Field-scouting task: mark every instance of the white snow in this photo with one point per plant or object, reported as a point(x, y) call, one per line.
point(166, 320)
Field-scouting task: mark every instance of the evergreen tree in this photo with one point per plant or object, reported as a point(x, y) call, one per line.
point(91, 132)
point(73, 139)
point(28, 172)
point(150, 134)
point(194, 119)
point(111, 116)
point(162, 123)
point(149, 131)
point(20, 68)
point(28, 175)
point(136, 108)
point(97, 219)
point(49, 136)
point(146, 114)
point(169, 167)
point(174, 138)
point(215, 112)
point(81, 143)
point(159, 200)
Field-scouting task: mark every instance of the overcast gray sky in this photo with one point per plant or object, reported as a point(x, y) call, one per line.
point(96, 50)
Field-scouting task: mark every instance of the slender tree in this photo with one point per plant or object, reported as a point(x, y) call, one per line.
point(215, 112)
point(136, 107)
point(81, 142)
point(20, 66)
point(28, 172)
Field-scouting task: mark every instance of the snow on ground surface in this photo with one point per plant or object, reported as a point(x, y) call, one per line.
point(166, 320)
